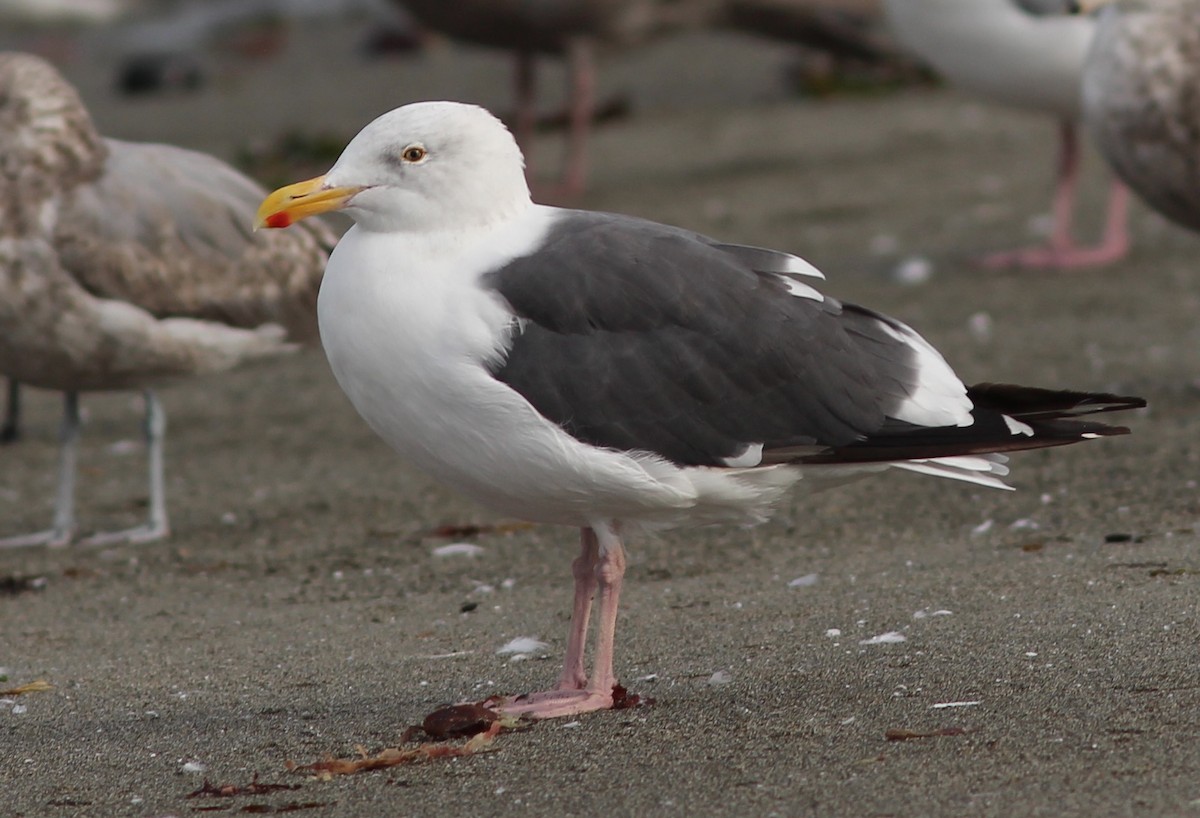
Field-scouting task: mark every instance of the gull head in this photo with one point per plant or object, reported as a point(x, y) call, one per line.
point(428, 166)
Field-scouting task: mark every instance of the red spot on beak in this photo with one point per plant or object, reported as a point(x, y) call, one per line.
point(278, 220)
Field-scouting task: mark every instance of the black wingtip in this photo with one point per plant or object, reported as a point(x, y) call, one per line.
point(1033, 403)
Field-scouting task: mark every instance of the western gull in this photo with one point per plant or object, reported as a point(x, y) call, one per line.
point(1141, 101)
point(572, 28)
point(125, 264)
point(610, 373)
point(1028, 54)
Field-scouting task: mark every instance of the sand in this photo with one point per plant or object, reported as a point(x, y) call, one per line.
point(298, 609)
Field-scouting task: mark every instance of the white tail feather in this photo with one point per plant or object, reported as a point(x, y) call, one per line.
point(982, 470)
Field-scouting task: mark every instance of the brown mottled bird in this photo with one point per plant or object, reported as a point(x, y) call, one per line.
point(123, 265)
point(1141, 101)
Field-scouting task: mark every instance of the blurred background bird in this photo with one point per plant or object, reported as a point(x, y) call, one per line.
point(123, 265)
point(1028, 54)
point(579, 30)
point(572, 29)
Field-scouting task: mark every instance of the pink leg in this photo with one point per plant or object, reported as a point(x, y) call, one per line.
point(1061, 252)
point(1062, 208)
point(608, 571)
point(1116, 225)
point(574, 676)
point(582, 93)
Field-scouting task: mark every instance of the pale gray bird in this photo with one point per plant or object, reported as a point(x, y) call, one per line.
point(1141, 101)
point(123, 265)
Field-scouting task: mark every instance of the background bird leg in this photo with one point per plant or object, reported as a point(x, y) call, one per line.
point(582, 100)
point(525, 116)
point(1062, 252)
point(11, 429)
point(64, 499)
point(156, 526)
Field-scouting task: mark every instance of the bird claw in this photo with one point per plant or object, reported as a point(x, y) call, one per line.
point(52, 538)
point(552, 704)
point(1051, 257)
point(132, 536)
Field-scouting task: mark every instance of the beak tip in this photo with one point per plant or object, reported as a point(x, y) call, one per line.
point(276, 220)
point(297, 201)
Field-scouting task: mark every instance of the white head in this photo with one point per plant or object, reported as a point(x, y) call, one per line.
point(427, 166)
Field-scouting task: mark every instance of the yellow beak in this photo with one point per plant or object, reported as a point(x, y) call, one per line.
point(299, 201)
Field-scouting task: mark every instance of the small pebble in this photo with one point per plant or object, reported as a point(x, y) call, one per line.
point(458, 549)
point(913, 271)
point(721, 677)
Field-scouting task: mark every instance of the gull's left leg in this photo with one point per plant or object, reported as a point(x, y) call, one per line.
point(608, 569)
point(574, 674)
point(156, 526)
point(610, 573)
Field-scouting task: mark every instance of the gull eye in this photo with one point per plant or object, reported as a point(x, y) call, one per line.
point(414, 153)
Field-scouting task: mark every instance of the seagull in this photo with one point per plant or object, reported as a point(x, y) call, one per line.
point(1141, 84)
point(1028, 54)
point(570, 28)
point(123, 265)
point(610, 373)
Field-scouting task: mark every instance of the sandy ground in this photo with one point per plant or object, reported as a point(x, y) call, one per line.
point(298, 610)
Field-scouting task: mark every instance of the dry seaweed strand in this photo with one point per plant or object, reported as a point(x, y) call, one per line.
point(38, 686)
point(329, 767)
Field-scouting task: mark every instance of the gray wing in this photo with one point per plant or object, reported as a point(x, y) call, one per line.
point(170, 230)
point(639, 337)
point(636, 336)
